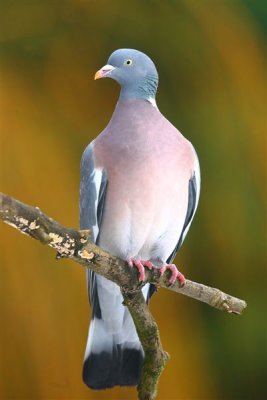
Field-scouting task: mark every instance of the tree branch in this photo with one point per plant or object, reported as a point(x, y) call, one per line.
point(75, 244)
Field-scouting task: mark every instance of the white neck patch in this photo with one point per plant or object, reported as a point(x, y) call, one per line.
point(152, 101)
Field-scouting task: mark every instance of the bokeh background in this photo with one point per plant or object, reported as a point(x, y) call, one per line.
point(209, 55)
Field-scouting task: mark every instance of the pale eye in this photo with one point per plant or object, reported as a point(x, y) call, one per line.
point(128, 62)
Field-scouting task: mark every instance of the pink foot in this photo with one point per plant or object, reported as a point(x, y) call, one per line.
point(140, 265)
point(175, 274)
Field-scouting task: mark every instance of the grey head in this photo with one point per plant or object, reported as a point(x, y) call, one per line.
point(134, 71)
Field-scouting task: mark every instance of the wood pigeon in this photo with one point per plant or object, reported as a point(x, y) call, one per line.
point(140, 183)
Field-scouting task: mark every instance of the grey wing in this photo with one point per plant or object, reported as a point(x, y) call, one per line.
point(93, 188)
point(92, 192)
point(193, 198)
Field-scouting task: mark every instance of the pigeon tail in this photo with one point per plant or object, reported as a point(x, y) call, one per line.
point(110, 361)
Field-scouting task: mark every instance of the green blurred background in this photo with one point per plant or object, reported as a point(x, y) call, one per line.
point(209, 55)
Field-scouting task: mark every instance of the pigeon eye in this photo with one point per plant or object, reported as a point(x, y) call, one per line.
point(129, 62)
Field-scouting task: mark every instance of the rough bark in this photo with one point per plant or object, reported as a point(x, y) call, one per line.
point(75, 244)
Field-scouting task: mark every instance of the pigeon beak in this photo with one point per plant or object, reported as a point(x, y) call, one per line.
point(104, 71)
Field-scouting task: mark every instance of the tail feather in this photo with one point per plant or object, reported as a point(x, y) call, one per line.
point(105, 370)
point(108, 363)
point(114, 355)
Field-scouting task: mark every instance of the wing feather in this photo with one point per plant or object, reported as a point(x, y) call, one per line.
point(92, 201)
point(193, 198)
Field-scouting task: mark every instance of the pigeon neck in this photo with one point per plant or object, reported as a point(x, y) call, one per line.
point(145, 89)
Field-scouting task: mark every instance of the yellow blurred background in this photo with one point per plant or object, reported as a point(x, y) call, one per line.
point(209, 54)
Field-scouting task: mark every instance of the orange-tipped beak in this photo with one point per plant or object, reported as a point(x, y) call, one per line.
point(104, 71)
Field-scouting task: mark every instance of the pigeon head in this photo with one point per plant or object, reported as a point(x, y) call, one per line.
point(134, 71)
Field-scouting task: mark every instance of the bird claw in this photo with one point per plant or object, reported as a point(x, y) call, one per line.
point(140, 265)
point(176, 274)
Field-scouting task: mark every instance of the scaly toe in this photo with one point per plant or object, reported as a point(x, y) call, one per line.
point(181, 279)
point(176, 274)
point(147, 264)
point(133, 262)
